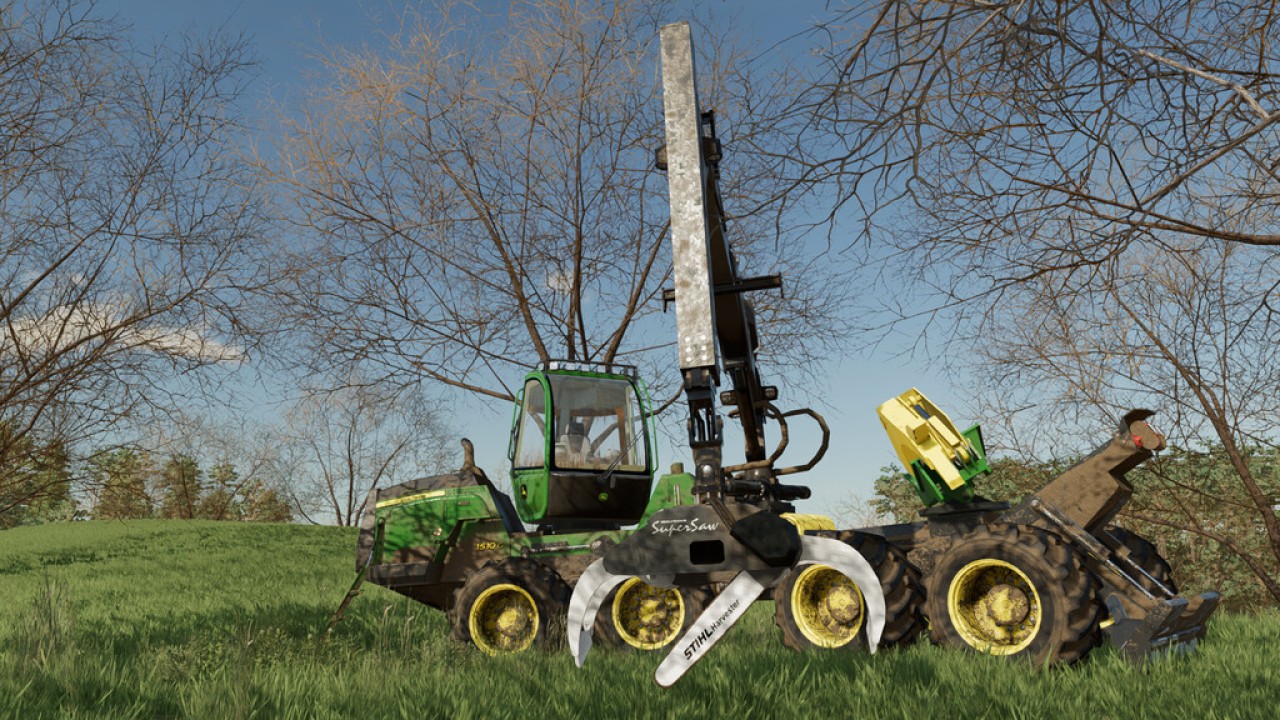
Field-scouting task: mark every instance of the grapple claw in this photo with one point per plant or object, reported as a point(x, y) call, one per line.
point(588, 595)
point(827, 551)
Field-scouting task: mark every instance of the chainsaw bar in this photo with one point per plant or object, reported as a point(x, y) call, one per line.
point(728, 607)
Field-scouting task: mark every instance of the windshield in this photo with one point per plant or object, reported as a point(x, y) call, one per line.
point(597, 422)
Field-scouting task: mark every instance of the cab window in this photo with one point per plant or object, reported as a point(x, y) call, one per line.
point(598, 425)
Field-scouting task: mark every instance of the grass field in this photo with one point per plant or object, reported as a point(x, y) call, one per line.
point(211, 620)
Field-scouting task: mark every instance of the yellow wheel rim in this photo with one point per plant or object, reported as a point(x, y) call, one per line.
point(504, 619)
point(647, 617)
point(994, 607)
point(827, 606)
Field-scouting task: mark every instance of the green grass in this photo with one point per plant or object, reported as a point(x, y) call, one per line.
point(209, 620)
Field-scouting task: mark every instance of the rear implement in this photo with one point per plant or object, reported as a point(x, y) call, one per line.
point(1045, 578)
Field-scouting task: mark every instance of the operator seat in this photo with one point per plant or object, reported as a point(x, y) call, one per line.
point(572, 449)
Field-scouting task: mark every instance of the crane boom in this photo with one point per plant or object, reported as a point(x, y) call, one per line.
point(715, 321)
point(687, 177)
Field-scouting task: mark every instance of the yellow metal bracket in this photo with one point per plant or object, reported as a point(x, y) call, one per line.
point(931, 447)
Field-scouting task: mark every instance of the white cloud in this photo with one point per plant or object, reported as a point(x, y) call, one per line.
point(62, 327)
point(560, 282)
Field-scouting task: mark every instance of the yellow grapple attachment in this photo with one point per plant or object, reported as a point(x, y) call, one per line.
point(805, 522)
point(942, 460)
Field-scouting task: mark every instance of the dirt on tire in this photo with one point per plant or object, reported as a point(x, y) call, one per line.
point(1067, 594)
point(899, 582)
point(549, 592)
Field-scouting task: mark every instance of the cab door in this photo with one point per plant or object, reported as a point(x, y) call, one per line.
point(529, 450)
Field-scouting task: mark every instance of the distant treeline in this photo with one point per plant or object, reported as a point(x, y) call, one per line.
point(43, 483)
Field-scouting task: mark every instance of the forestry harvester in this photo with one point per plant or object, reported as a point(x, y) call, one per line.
point(1041, 580)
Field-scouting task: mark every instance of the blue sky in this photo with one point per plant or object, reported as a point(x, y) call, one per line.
point(287, 34)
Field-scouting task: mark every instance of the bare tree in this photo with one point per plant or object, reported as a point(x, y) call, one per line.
point(126, 222)
point(478, 195)
point(856, 510)
point(1082, 197)
point(1188, 333)
point(1051, 135)
point(344, 443)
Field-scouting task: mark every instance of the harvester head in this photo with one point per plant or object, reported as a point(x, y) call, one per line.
point(942, 461)
point(693, 545)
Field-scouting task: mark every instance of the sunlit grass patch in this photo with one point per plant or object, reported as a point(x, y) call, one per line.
point(210, 620)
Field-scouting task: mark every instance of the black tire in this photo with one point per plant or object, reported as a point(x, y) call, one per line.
point(899, 582)
point(514, 604)
point(1147, 556)
point(1016, 591)
point(651, 618)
